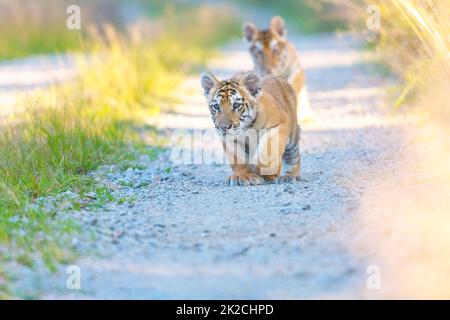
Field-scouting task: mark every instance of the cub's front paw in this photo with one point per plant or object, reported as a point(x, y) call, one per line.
point(246, 179)
point(288, 178)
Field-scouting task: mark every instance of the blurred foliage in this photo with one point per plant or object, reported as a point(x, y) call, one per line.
point(34, 27)
point(309, 16)
point(414, 40)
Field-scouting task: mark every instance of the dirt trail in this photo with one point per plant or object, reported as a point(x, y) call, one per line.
point(182, 233)
point(22, 77)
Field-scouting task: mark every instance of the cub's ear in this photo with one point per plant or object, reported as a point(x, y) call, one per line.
point(277, 26)
point(208, 81)
point(253, 83)
point(249, 30)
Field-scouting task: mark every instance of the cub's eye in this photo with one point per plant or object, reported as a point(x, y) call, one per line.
point(237, 106)
point(214, 107)
point(256, 49)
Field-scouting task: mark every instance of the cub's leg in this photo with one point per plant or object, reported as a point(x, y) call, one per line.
point(270, 151)
point(238, 157)
point(243, 176)
point(291, 159)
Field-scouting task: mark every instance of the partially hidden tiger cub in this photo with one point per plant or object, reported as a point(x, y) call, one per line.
point(273, 54)
point(266, 105)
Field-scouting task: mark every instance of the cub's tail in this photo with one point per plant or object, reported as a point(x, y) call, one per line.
point(304, 112)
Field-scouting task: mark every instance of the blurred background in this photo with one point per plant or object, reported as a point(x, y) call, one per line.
point(33, 27)
point(412, 39)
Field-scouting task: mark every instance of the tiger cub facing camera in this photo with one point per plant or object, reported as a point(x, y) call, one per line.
point(256, 119)
point(273, 54)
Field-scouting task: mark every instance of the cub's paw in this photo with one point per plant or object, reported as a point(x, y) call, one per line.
point(288, 178)
point(271, 178)
point(247, 179)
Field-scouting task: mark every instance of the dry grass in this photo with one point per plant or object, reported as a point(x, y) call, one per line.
point(414, 41)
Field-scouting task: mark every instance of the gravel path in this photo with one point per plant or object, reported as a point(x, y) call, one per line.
point(181, 233)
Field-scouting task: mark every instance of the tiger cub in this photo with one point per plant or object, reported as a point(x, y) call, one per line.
point(273, 54)
point(246, 103)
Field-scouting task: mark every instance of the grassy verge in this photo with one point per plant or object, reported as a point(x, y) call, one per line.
point(72, 129)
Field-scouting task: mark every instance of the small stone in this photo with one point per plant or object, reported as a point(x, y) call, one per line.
point(306, 207)
point(142, 184)
point(118, 234)
point(91, 195)
point(288, 189)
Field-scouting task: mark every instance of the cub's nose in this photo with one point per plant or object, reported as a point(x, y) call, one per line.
point(225, 126)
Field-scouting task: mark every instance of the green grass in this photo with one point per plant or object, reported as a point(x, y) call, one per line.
point(72, 129)
point(31, 42)
point(29, 27)
point(23, 24)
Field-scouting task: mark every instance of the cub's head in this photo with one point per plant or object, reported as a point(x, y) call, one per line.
point(232, 102)
point(268, 48)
